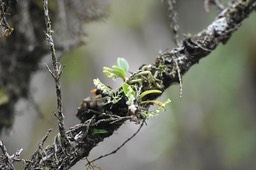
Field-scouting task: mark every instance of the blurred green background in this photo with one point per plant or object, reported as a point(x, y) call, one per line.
point(210, 127)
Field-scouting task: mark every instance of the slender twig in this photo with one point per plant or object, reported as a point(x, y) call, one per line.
point(7, 161)
point(56, 74)
point(41, 144)
point(40, 152)
point(92, 166)
point(173, 17)
point(89, 124)
point(118, 148)
point(179, 75)
point(217, 3)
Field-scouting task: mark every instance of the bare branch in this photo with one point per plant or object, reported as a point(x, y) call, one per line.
point(173, 17)
point(56, 74)
point(7, 161)
point(41, 144)
point(217, 3)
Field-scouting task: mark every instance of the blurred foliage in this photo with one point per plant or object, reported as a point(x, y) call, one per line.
point(123, 10)
point(76, 65)
point(4, 98)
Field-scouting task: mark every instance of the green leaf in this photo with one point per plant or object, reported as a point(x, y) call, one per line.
point(147, 92)
point(114, 72)
point(123, 64)
point(129, 93)
point(125, 87)
point(99, 131)
point(117, 71)
point(128, 90)
point(121, 71)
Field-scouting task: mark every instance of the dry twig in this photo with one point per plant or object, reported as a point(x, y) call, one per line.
point(56, 74)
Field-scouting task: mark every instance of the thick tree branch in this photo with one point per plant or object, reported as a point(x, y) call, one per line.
point(97, 114)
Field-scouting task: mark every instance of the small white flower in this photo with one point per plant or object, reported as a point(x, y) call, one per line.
point(132, 108)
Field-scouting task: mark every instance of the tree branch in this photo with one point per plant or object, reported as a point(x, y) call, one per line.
point(96, 114)
point(6, 160)
point(56, 74)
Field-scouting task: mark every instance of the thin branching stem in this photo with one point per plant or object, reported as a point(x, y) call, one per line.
point(56, 74)
point(118, 148)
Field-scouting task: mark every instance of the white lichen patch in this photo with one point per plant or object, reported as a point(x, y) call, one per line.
point(219, 26)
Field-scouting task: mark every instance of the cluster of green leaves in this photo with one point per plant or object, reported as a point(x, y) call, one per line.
point(131, 91)
point(117, 71)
